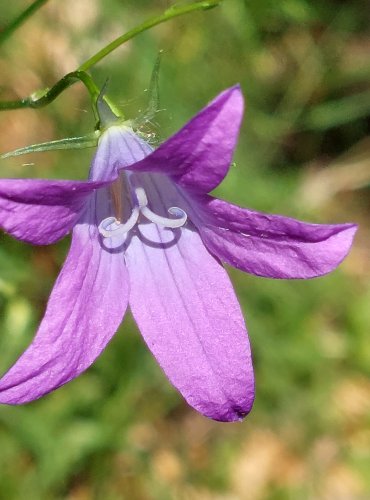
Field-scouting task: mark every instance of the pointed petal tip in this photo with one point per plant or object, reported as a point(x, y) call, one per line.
point(232, 406)
point(342, 241)
point(351, 230)
point(345, 237)
point(238, 414)
point(234, 93)
point(234, 88)
point(237, 90)
point(229, 100)
point(232, 412)
point(338, 246)
point(352, 226)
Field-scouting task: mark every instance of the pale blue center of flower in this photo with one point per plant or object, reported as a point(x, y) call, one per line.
point(111, 227)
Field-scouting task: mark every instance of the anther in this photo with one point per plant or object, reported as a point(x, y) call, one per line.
point(117, 199)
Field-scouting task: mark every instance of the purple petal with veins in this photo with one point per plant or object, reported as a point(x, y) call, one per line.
point(83, 313)
point(39, 211)
point(269, 245)
point(189, 315)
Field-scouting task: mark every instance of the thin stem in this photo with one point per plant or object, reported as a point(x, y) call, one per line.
point(170, 13)
point(18, 21)
point(42, 98)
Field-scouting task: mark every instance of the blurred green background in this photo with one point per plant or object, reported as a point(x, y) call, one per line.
point(120, 430)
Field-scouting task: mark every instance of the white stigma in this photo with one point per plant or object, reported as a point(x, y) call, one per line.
point(179, 221)
point(180, 215)
point(111, 227)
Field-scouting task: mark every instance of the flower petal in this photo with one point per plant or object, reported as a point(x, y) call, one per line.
point(119, 147)
point(83, 313)
point(187, 312)
point(199, 155)
point(272, 245)
point(42, 211)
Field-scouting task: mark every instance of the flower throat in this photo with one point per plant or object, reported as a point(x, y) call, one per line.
point(113, 226)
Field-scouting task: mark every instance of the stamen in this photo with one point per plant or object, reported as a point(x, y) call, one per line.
point(116, 193)
point(119, 229)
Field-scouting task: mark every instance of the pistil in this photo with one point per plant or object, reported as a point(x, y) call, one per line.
point(112, 227)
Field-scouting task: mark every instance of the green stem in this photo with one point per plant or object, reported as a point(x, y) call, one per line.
point(44, 97)
point(170, 13)
point(18, 21)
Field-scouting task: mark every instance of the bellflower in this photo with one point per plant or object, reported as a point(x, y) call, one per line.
point(146, 233)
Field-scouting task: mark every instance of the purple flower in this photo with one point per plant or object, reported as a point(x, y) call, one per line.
point(147, 233)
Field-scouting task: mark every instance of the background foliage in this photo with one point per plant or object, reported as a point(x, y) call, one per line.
point(120, 430)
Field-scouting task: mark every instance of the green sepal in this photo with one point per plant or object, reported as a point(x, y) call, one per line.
point(85, 141)
point(153, 93)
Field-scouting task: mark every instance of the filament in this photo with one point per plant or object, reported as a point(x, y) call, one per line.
point(115, 190)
